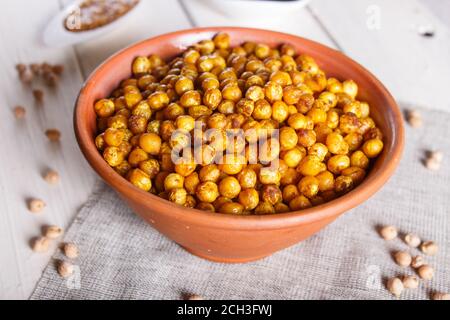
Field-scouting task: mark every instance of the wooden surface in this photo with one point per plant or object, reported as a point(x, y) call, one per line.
point(413, 67)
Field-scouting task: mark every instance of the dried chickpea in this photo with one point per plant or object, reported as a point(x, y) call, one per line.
point(173, 181)
point(336, 144)
point(151, 167)
point(359, 159)
point(389, 232)
point(137, 156)
point(209, 173)
point(113, 156)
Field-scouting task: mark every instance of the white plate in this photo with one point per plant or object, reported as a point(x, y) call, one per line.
point(241, 9)
point(56, 34)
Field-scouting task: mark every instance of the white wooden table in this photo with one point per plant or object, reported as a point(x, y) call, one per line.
point(415, 68)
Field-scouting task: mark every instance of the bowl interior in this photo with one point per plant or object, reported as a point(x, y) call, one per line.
point(383, 107)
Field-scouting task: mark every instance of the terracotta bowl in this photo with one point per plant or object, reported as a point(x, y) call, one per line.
point(227, 238)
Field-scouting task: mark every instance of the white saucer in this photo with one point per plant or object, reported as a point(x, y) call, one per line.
point(56, 34)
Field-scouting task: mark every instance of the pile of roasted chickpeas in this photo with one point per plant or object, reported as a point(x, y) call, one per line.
point(327, 138)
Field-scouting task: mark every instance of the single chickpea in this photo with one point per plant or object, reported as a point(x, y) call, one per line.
point(140, 179)
point(395, 286)
point(249, 198)
point(318, 149)
point(207, 192)
point(417, 262)
point(185, 166)
point(273, 91)
point(389, 233)
point(114, 137)
point(336, 144)
point(178, 196)
point(410, 282)
point(338, 163)
point(311, 166)
point(203, 206)
point(262, 111)
point(136, 157)
point(53, 232)
point(426, 272)
point(359, 159)
point(151, 167)
point(317, 115)
point(288, 138)
point(185, 123)
point(173, 181)
point(52, 177)
point(403, 259)
point(357, 174)
point(212, 98)
point(326, 181)
point(264, 208)
point(429, 248)
point(65, 269)
point(343, 184)
point(372, 148)
point(247, 178)
point(280, 111)
point(351, 88)
point(294, 156)
point(298, 121)
point(412, 240)
point(40, 245)
point(113, 156)
point(71, 251)
point(232, 93)
point(104, 108)
point(232, 164)
point(306, 138)
point(300, 203)
point(141, 65)
point(269, 176)
point(191, 183)
point(137, 124)
point(232, 208)
point(309, 186)
point(229, 187)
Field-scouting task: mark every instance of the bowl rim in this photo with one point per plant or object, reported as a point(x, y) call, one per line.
point(329, 210)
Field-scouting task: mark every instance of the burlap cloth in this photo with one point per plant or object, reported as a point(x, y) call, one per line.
point(121, 257)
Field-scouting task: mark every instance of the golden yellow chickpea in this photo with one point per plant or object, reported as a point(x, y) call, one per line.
point(249, 198)
point(232, 208)
point(132, 96)
point(137, 156)
point(222, 40)
point(232, 92)
point(281, 78)
point(334, 85)
point(113, 156)
point(141, 65)
point(305, 103)
point(309, 186)
point(306, 138)
point(318, 149)
point(290, 177)
point(298, 121)
point(269, 176)
point(203, 206)
point(263, 110)
point(336, 144)
point(247, 178)
point(191, 98)
point(338, 163)
point(140, 179)
point(209, 173)
point(372, 148)
point(183, 85)
point(311, 166)
point(271, 194)
point(255, 93)
point(288, 138)
point(178, 196)
point(142, 109)
point(350, 88)
point(300, 203)
point(232, 164)
point(199, 111)
point(327, 100)
point(326, 181)
point(343, 184)
point(354, 140)
point(307, 64)
point(229, 187)
point(185, 123)
point(150, 143)
point(317, 115)
point(151, 167)
point(100, 142)
point(262, 51)
point(185, 166)
point(173, 181)
point(280, 111)
point(273, 91)
point(114, 137)
point(191, 56)
point(212, 98)
point(245, 107)
point(264, 208)
point(292, 94)
point(191, 183)
point(104, 108)
point(357, 174)
point(207, 192)
point(294, 156)
point(359, 159)
point(191, 202)
point(349, 123)
point(290, 192)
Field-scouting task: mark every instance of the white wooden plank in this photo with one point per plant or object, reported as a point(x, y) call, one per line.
point(152, 18)
point(413, 67)
point(299, 21)
point(26, 152)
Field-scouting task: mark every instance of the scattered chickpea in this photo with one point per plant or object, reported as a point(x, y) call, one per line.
point(54, 135)
point(36, 206)
point(441, 296)
point(53, 232)
point(403, 259)
point(195, 297)
point(20, 112)
point(71, 251)
point(389, 232)
point(41, 245)
point(395, 286)
point(412, 240)
point(52, 177)
point(410, 282)
point(65, 269)
point(426, 272)
point(414, 119)
point(38, 96)
point(429, 248)
point(417, 262)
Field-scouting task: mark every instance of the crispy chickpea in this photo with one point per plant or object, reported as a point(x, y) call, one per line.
point(338, 163)
point(305, 103)
point(262, 111)
point(307, 64)
point(350, 88)
point(141, 65)
point(151, 167)
point(343, 184)
point(359, 159)
point(232, 164)
point(299, 203)
point(191, 98)
point(132, 96)
point(311, 166)
point(104, 108)
point(178, 196)
point(281, 78)
point(372, 148)
point(280, 111)
point(245, 107)
point(137, 124)
point(173, 181)
point(317, 115)
point(185, 123)
point(334, 85)
point(191, 183)
point(207, 192)
point(318, 149)
point(269, 176)
point(357, 174)
point(150, 143)
point(264, 208)
point(354, 140)
point(100, 142)
point(232, 208)
point(247, 178)
point(273, 92)
point(114, 137)
point(191, 202)
point(143, 110)
point(249, 198)
point(288, 138)
point(185, 166)
point(137, 156)
point(271, 194)
point(298, 121)
point(183, 85)
point(326, 181)
point(349, 123)
point(113, 156)
point(262, 51)
point(306, 138)
point(212, 98)
point(222, 40)
point(229, 187)
point(290, 192)
point(123, 169)
point(203, 206)
point(209, 173)
point(292, 95)
point(140, 179)
point(336, 144)
point(232, 92)
point(167, 128)
point(290, 177)
point(309, 186)
point(217, 121)
point(281, 208)
point(294, 156)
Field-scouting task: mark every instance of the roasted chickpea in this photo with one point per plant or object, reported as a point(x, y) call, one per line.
point(350, 88)
point(318, 149)
point(217, 121)
point(299, 203)
point(309, 186)
point(338, 163)
point(269, 176)
point(100, 142)
point(372, 148)
point(232, 208)
point(185, 123)
point(212, 98)
point(357, 174)
point(132, 96)
point(245, 107)
point(183, 85)
point(207, 192)
point(354, 140)
point(191, 183)
point(137, 156)
point(114, 137)
point(336, 144)
point(191, 202)
point(232, 164)
point(280, 111)
point(306, 138)
point(359, 159)
point(334, 85)
point(273, 91)
point(290, 177)
point(290, 192)
point(113, 156)
point(137, 124)
point(311, 166)
point(141, 65)
point(349, 123)
point(203, 206)
point(140, 179)
point(298, 121)
point(173, 181)
point(288, 138)
point(150, 143)
point(178, 196)
point(232, 92)
point(326, 181)
point(229, 187)
point(271, 194)
point(151, 167)
point(247, 178)
point(191, 98)
point(209, 173)
point(104, 108)
point(294, 156)
point(343, 184)
point(123, 169)
point(262, 111)
point(264, 208)
point(185, 166)
point(249, 198)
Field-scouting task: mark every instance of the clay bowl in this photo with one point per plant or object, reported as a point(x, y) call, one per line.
point(227, 238)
